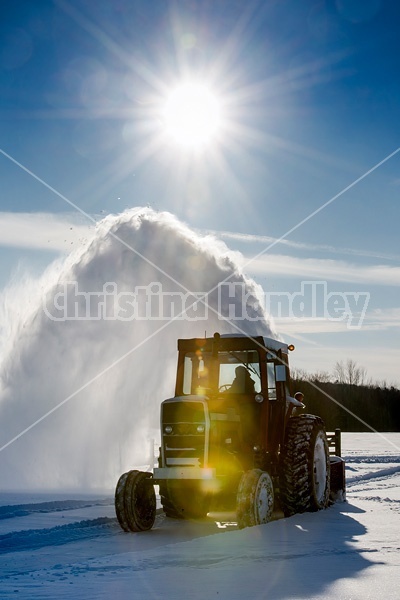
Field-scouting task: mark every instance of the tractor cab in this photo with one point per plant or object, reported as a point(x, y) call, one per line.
point(241, 382)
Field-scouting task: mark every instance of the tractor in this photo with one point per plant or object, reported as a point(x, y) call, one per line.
point(232, 439)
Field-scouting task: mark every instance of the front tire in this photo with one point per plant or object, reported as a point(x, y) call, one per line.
point(255, 499)
point(135, 501)
point(305, 466)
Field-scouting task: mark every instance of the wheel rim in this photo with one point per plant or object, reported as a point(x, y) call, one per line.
point(264, 499)
point(319, 467)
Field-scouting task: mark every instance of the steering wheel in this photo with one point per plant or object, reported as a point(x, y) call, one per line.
point(224, 388)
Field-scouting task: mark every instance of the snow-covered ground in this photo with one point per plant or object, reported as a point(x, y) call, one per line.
point(60, 545)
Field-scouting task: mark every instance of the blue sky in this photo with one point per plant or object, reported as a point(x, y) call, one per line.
point(310, 92)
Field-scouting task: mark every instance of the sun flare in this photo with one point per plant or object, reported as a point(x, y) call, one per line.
point(192, 115)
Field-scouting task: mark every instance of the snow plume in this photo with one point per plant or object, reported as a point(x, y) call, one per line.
point(113, 368)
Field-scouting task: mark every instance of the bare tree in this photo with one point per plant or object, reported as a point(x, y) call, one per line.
point(321, 377)
point(339, 372)
point(318, 376)
point(349, 372)
point(299, 374)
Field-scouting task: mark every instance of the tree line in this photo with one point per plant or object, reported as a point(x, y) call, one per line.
point(348, 399)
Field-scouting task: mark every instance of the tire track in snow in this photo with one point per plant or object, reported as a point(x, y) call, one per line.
point(381, 474)
point(32, 539)
point(22, 510)
point(368, 459)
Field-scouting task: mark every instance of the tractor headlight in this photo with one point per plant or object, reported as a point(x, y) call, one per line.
point(168, 429)
point(200, 428)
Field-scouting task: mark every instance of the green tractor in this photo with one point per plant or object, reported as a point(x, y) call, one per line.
point(231, 440)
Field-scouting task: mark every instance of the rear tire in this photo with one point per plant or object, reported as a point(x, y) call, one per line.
point(255, 499)
point(135, 501)
point(167, 504)
point(305, 466)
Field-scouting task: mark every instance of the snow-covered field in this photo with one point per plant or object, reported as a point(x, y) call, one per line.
point(60, 545)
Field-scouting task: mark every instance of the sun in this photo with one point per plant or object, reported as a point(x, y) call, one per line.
point(192, 115)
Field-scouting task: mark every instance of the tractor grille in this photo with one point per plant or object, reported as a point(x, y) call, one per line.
point(183, 433)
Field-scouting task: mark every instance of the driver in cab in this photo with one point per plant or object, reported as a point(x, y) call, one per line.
point(243, 383)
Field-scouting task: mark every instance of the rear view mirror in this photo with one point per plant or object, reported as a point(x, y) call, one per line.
point(280, 373)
